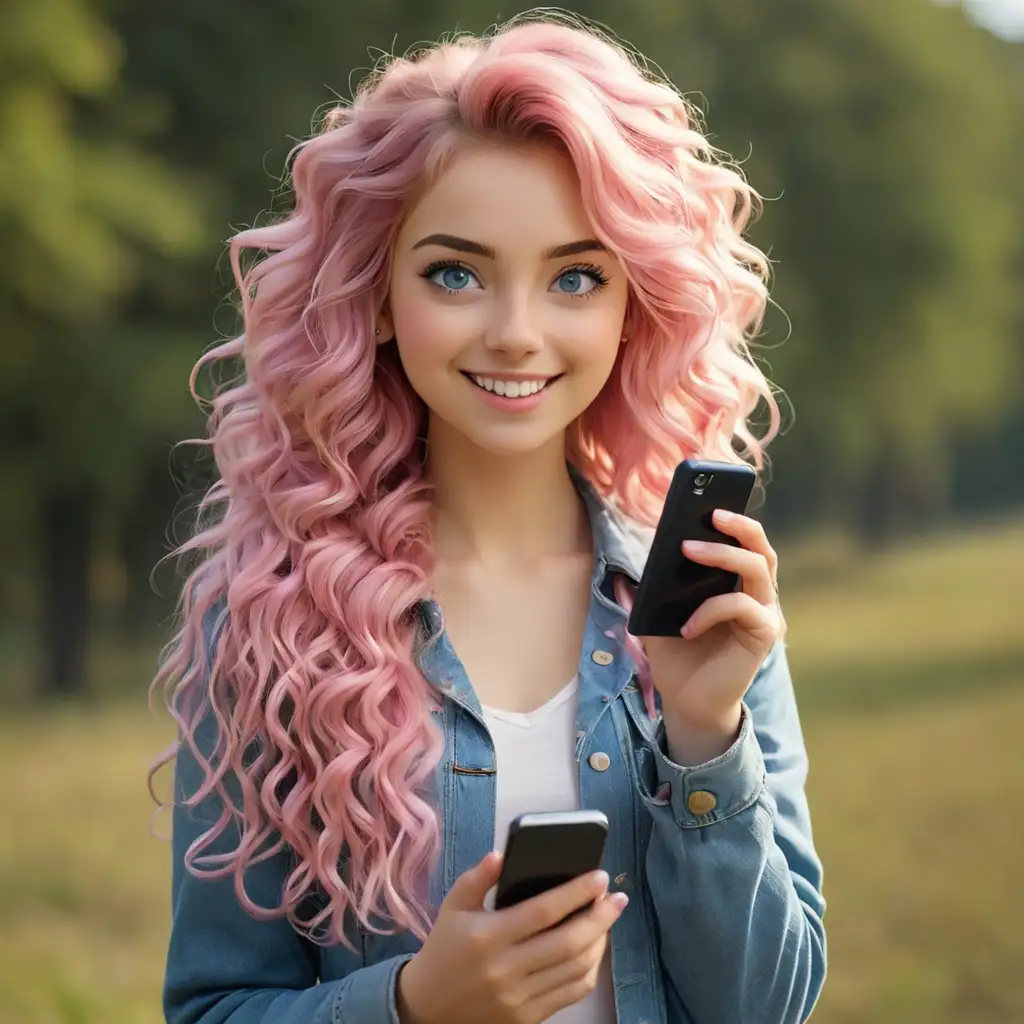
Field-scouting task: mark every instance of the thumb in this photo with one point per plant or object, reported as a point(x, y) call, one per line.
point(472, 886)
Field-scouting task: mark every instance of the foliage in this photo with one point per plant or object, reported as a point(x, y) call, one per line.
point(135, 137)
point(884, 136)
point(85, 201)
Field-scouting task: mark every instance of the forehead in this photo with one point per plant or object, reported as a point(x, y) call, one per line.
point(515, 198)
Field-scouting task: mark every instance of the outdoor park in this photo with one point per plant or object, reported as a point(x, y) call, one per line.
point(887, 142)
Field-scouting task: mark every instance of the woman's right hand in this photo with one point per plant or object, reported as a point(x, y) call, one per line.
point(518, 965)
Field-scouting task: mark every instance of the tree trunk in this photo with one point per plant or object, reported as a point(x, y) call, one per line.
point(899, 495)
point(144, 541)
point(66, 534)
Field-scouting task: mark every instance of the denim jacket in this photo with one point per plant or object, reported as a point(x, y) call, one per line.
point(724, 923)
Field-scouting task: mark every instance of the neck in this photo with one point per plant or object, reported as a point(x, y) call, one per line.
point(502, 510)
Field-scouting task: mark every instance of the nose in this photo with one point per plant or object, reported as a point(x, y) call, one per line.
point(514, 332)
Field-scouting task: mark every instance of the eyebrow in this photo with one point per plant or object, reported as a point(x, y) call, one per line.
point(477, 249)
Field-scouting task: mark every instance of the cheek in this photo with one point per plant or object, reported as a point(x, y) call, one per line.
point(427, 332)
point(597, 334)
point(596, 352)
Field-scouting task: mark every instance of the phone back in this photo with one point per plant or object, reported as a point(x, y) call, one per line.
point(545, 850)
point(672, 587)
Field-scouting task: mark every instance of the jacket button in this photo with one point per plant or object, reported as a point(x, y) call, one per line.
point(620, 879)
point(701, 801)
point(599, 761)
point(602, 657)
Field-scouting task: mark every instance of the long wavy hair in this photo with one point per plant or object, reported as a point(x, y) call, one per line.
point(312, 549)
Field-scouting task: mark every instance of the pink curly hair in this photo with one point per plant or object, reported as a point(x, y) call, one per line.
point(314, 542)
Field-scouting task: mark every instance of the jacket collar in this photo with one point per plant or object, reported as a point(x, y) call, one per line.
point(619, 544)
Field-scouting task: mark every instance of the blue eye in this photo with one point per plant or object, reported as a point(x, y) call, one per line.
point(576, 282)
point(579, 282)
point(452, 277)
point(572, 282)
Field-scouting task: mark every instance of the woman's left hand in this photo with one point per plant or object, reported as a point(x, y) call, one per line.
point(703, 675)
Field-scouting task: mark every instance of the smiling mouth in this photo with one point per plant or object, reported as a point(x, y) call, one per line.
point(510, 388)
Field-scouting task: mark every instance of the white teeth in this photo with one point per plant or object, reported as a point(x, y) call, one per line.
point(510, 388)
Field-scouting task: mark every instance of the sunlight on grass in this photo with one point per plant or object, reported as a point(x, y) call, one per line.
point(917, 817)
point(945, 597)
point(83, 886)
point(917, 810)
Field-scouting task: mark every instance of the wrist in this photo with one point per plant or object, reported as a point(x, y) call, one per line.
point(403, 983)
point(693, 740)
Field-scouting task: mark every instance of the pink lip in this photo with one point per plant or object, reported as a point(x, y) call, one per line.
point(510, 404)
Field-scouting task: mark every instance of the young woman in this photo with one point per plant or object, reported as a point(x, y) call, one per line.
point(512, 295)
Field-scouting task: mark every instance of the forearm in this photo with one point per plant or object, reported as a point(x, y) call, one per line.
point(366, 996)
point(735, 883)
point(742, 942)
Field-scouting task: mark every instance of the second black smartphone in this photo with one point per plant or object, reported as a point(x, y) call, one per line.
point(672, 587)
point(546, 849)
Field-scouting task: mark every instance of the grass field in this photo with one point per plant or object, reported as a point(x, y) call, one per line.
point(910, 671)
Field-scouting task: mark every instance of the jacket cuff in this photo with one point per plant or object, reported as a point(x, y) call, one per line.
point(707, 793)
point(370, 995)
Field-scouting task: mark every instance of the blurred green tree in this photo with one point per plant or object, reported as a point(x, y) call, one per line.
point(886, 132)
point(889, 135)
point(82, 203)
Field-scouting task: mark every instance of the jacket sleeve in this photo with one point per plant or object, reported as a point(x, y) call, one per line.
point(226, 967)
point(733, 873)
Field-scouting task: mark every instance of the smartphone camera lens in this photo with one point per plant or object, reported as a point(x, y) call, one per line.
point(701, 480)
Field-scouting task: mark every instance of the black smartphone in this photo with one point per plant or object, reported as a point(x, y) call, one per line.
point(546, 849)
point(672, 587)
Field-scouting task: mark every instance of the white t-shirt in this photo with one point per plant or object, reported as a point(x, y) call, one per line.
point(536, 771)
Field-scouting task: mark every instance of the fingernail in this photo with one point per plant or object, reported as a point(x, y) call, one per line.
point(621, 900)
point(601, 880)
point(722, 515)
point(694, 545)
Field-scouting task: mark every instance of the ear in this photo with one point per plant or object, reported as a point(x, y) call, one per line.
point(627, 324)
point(384, 326)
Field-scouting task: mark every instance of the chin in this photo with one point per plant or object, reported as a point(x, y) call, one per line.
point(511, 446)
point(509, 439)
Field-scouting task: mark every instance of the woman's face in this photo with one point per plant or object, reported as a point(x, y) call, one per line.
point(506, 311)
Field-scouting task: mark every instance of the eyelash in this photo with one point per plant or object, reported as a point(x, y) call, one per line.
point(590, 269)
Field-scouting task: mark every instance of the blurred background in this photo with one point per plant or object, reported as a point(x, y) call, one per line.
point(888, 140)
